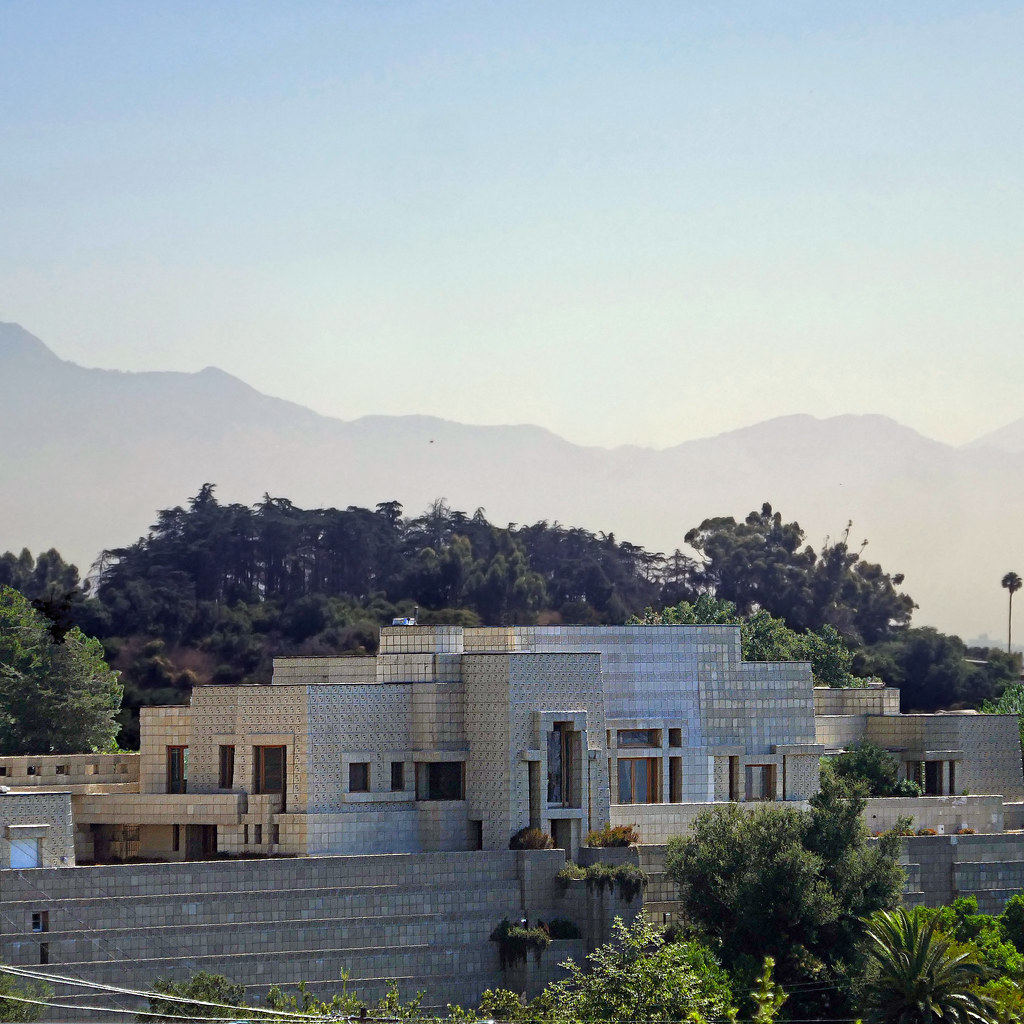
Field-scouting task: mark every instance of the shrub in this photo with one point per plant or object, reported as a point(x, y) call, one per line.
point(514, 942)
point(907, 787)
point(926, 832)
point(613, 836)
point(964, 830)
point(531, 839)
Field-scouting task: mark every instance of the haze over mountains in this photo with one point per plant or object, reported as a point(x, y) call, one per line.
point(89, 455)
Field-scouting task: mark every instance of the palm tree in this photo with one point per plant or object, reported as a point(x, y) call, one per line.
point(918, 976)
point(1011, 582)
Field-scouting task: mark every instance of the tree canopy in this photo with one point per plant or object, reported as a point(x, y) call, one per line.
point(56, 696)
point(764, 562)
point(789, 884)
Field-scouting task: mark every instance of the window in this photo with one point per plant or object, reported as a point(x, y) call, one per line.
point(638, 780)
point(61, 769)
point(440, 780)
point(675, 737)
point(257, 835)
point(3, 769)
point(397, 776)
point(639, 738)
point(177, 769)
point(226, 777)
point(270, 765)
point(359, 777)
point(760, 782)
point(92, 769)
point(26, 853)
point(40, 920)
point(44, 952)
point(560, 762)
point(675, 780)
point(275, 833)
point(245, 835)
point(120, 768)
point(33, 769)
point(175, 838)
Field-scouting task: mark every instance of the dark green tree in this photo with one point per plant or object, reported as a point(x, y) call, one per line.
point(54, 697)
point(789, 884)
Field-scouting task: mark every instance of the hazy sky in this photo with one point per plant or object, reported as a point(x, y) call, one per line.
point(628, 222)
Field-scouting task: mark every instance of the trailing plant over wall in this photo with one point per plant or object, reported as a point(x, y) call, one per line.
point(613, 835)
point(514, 942)
point(625, 879)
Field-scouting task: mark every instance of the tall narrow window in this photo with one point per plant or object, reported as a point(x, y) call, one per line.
point(177, 769)
point(560, 765)
point(397, 776)
point(227, 767)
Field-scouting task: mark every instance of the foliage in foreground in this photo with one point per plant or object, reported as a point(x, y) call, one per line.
point(13, 990)
point(917, 975)
point(203, 987)
point(789, 884)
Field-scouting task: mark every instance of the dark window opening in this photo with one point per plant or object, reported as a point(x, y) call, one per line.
point(440, 780)
point(359, 777)
point(675, 737)
point(275, 833)
point(177, 769)
point(226, 778)
point(760, 782)
point(270, 764)
point(397, 776)
point(44, 952)
point(257, 836)
point(32, 770)
point(40, 920)
point(175, 838)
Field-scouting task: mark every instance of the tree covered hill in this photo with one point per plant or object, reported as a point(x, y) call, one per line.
point(215, 591)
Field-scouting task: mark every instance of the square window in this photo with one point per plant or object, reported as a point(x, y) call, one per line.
point(397, 776)
point(40, 920)
point(61, 769)
point(33, 770)
point(359, 777)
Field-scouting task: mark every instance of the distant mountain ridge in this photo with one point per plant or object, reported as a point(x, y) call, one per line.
point(90, 455)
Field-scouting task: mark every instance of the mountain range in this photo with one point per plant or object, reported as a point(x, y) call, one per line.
point(89, 455)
